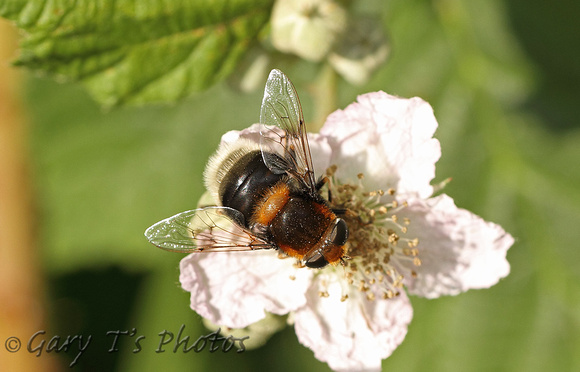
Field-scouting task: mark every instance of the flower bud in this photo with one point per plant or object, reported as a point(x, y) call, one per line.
point(361, 50)
point(254, 335)
point(307, 28)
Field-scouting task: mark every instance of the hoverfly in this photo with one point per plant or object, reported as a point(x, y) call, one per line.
point(267, 195)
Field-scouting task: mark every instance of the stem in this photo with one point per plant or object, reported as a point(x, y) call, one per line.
point(324, 93)
point(21, 291)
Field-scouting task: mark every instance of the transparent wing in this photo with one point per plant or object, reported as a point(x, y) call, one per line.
point(281, 109)
point(210, 229)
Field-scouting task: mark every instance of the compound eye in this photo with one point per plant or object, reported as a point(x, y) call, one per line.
point(339, 234)
point(316, 261)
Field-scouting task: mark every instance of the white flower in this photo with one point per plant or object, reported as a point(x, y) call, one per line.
point(380, 155)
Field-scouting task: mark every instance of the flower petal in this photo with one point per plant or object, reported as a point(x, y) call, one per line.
point(236, 289)
point(251, 133)
point(458, 249)
point(387, 138)
point(351, 335)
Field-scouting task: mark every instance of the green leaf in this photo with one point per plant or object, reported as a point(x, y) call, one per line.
point(137, 51)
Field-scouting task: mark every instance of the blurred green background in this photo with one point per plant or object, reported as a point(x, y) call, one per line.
point(503, 78)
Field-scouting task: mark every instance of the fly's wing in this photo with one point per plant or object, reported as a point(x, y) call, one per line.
point(284, 141)
point(210, 229)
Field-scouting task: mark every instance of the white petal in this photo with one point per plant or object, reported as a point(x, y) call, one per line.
point(251, 133)
point(353, 335)
point(236, 289)
point(387, 138)
point(321, 152)
point(458, 250)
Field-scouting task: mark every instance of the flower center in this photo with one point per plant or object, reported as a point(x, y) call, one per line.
point(377, 242)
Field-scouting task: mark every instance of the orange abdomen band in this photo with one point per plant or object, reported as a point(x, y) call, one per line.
point(271, 204)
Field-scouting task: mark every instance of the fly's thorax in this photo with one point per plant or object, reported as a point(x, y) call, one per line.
point(302, 227)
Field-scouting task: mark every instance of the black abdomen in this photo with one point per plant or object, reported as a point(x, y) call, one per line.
point(246, 183)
